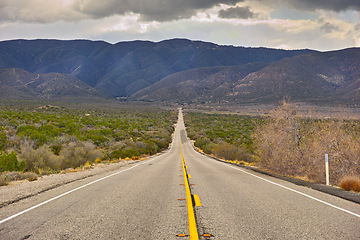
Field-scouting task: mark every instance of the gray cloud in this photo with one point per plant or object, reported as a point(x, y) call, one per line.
point(328, 27)
point(159, 10)
point(45, 11)
point(357, 27)
point(312, 5)
point(334, 5)
point(41, 11)
point(237, 12)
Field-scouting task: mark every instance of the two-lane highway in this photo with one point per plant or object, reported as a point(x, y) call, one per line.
point(148, 200)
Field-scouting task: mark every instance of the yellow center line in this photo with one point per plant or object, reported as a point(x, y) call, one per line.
point(191, 214)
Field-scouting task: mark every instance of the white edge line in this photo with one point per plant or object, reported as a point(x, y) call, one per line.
point(66, 193)
point(293, 190)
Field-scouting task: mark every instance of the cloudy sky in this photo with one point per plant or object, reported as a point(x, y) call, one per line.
point(289, 24)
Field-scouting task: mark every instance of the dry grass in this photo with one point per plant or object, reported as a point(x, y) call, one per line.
point(350, 183)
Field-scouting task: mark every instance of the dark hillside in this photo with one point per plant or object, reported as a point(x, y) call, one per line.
point(127, 67)
point(200, 84)
point(329, 76)
point(20, 84)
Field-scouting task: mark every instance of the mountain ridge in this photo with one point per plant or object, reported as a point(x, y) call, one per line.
point(175, 70)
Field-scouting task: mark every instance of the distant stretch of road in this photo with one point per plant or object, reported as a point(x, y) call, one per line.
point(150, 200)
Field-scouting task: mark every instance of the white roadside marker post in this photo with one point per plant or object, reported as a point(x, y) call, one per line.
point(327, 169)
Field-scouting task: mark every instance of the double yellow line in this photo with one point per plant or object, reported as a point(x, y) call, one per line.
point(191, 214)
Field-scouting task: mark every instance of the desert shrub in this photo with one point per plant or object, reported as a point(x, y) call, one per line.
point(341, 143)
point(3, 140)
point(202, 142)
point(290, 144)
point(350, 183)
point(141, 145)
point(212, 131)
point(40, 158)
point(56, 148)
point(16, 176)
point(125, 153)
point(65, 131)
point(95, 136)
point(35, 134)
point(117, 145)
point(280, 144)
point(9, 162)
point(192, 134)
point(30, 176)
point(231, 152)
point(13, 176)
point(205, 144)
point(76, 154)
point(3, 180)
point(209, 148)
point(117, 154)
point(162, 143)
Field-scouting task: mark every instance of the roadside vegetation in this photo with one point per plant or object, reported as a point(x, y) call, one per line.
point(284, 142)
point(226, 136)
point(50, 139)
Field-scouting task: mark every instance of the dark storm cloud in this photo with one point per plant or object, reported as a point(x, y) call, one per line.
point(159, 10)
point(46, 11)
point(236, 12)
point(311, 5)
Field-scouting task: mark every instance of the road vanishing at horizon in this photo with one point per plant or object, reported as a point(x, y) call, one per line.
point(149, 200)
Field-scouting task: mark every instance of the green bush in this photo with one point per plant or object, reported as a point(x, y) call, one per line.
point(3, 140)
point(231, 152)
point(9, 162)
point(225, 135)
point(128, 153)
point(54, 138)
point(201, 142)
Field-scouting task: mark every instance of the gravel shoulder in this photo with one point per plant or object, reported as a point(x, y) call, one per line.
point(19, 190)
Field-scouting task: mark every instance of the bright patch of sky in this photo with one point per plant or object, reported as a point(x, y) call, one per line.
point(292, 14)
point(291, 24)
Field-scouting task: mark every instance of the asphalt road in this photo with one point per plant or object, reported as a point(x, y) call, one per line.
point(147, 200)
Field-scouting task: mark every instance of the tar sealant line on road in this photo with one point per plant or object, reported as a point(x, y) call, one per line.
point(191, 214)
point(71, 191)
point(295, 191)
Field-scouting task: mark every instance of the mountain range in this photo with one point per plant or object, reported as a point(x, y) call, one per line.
point(176, 70)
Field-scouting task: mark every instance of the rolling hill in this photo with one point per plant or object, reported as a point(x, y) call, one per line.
point(17, 83)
